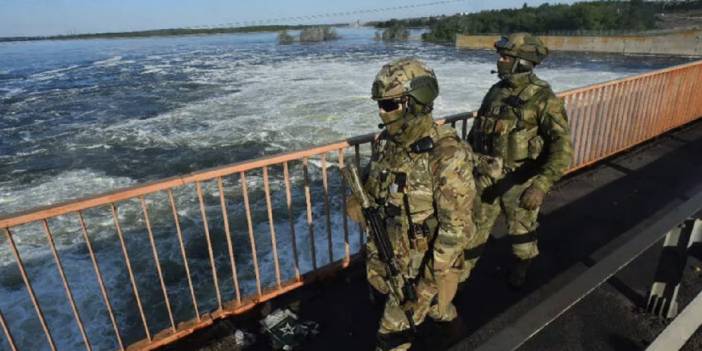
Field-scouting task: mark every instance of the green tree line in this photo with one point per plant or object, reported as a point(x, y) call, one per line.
point(163, 32)
point(634, 15)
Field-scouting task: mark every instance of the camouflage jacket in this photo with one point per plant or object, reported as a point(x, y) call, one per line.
point(435, 189)
point(521, 120)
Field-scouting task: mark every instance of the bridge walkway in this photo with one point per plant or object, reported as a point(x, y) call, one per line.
point(582, 217)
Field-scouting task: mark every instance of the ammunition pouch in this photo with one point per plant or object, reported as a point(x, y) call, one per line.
point(536, 145)
point(524, 144)
point(421, 240)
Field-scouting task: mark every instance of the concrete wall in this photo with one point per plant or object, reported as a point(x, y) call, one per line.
point(680, 43)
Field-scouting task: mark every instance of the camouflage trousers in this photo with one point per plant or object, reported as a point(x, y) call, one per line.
point(521, 226)
point(435, 291)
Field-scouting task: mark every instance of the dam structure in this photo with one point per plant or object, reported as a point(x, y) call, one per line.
point(682, 42)
point(634, 178)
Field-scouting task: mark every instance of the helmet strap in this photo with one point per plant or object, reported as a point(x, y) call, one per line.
point(524, 65)
point(407, 106)
point(515, 64)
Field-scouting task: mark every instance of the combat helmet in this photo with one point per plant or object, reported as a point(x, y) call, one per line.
point(524, 46)
point(407, 77)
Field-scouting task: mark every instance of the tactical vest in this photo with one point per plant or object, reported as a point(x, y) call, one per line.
point(401, 183)
point(507, 124)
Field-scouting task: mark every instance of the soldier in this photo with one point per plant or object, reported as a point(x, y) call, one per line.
point(421, 179)
point(522, 142)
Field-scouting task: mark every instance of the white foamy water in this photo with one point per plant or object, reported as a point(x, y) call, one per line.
point(83, 117)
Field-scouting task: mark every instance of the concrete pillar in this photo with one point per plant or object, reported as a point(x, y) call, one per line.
point(663, 297)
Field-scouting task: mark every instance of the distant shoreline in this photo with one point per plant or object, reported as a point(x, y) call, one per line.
point(164, 33)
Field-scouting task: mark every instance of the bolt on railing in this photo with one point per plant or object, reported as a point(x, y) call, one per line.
point(605, 119)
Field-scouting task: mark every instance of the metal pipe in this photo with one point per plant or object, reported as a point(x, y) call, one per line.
point(308, 203)
point(677, 116)
point(608, 120)
point(357, 161)
point(327, 210)
point(693, 90)
point(641, 107)
point(100, 279)
point(579, 120)
point(582, 126)
point(629, 113)
point(203, 213)
point(653, 93)
point(66, 286)
point(675, 111)
point(624, 116)
point(30, 290)
point(183, 254)
point(662, 93)
point(344, 218)
point(10, 339)
point(267, 190)
point(288, 198)
point(125, 253)
point(671, 97)
point(622, 121)
point(698, 104)
point(249, 224)
point(649, 99)
point(690, 94)
point(697, 110)
point(591, 122)
point(640, 111)
point(464, 129)
point(228, 234)
point(597, 122)
point(157, 262)
point(570, 113)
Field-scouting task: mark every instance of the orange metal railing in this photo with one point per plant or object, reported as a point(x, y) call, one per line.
point(605, 119)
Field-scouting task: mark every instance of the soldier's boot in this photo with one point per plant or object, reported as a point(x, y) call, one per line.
point(403, 347)
point(398, 341)
point(442, 309)
point(525, 249)
point(446, 314)
point(518, 274)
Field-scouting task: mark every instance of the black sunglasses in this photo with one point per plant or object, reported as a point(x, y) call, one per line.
point(389, 105)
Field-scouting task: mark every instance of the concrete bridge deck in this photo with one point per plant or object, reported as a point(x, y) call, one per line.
point(582, 218)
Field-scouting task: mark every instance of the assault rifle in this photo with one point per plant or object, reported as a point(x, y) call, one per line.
point(402, 289)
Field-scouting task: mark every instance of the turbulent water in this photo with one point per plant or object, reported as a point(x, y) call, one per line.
point(80, 117)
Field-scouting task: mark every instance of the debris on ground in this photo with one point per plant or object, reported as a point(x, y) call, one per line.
point(286, 331)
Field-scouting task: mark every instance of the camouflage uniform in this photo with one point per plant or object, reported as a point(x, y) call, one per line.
point(421, 178)
point(522, 141)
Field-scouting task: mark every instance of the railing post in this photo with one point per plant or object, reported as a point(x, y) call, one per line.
point(8, 334)
point(663, 297)
point(695, 248)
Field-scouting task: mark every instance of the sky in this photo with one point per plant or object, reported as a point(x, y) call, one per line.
point(51, 17)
